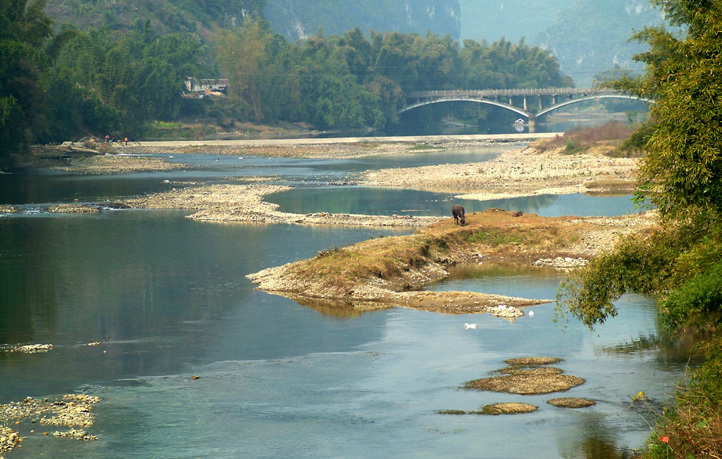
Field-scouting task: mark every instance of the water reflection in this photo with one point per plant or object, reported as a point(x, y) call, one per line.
point(385, 201)
point(593, 438)
point(147, 285)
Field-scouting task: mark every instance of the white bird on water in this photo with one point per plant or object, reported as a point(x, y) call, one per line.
point(468, 326)
point(531, 313)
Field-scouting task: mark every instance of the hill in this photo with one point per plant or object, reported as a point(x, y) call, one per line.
point(296, 19)
point(293, 19)
point(166, 16)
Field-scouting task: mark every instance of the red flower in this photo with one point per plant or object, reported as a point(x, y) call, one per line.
point(664, 439)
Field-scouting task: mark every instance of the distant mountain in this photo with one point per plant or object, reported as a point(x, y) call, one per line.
point(586, 36)
point(296, 19)
point(593, 36)
point(512, 19)
point(166, 16)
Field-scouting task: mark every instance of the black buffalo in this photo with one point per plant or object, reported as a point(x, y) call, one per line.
point(459, 214)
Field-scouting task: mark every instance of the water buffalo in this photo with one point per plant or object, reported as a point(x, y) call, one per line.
point(459, 214)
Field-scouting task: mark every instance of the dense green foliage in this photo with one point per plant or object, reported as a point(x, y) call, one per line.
point(352, 81)
point(682, 173)
point(680, 263)
point(103, 83)
point(165, 16)
point(24, 30)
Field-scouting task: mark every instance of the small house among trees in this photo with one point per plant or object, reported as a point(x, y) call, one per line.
point(207, 84)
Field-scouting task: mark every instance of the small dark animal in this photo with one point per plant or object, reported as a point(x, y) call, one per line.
point(459, 214)
point(518, 213)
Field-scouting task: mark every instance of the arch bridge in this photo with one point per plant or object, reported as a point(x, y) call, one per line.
point(516, 100)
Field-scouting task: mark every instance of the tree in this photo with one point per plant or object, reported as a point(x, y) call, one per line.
point(23, 31)
point(682, 174)
point(242, 57)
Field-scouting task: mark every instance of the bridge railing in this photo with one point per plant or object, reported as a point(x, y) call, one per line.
point(442, 93)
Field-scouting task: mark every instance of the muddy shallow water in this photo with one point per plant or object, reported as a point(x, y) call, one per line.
point(167, 299)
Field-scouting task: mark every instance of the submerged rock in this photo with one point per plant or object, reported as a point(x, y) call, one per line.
point(27, 348)
point(70, 411)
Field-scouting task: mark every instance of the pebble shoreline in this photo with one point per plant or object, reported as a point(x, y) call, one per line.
point(71, 410)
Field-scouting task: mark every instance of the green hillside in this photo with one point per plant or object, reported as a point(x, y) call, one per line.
point(165, 16)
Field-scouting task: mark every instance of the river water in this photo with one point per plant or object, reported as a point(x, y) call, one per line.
point(168, 300)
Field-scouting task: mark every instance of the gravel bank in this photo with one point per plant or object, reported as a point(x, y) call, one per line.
point(515, 173)
point(243, 203)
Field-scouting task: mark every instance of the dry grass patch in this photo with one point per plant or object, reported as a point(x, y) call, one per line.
point(530, 372)
point(605, 139)
point(610, 186)
point(385, 259)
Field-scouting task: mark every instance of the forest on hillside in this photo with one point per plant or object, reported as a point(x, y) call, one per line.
point(65, 83)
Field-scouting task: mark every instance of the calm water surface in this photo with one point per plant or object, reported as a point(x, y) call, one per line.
point(385, 201)
point(168, 299)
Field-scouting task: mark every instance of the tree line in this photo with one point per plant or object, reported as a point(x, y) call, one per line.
point(352, 80)
point(63, 83)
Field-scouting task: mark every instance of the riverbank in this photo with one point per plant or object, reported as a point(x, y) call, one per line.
point(517, 172)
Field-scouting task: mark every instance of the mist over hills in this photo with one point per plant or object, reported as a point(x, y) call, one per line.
point(586, 36)
point(296, 19)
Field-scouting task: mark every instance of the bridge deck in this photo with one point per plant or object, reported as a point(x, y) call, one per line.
point(509, 92)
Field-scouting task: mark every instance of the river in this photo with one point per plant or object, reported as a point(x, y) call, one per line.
point(168, 300)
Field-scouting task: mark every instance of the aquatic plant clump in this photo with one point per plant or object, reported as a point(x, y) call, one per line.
point(528, 382)
point(533, 361)
point(495, 409)
point(571, 402)
point(508, 408)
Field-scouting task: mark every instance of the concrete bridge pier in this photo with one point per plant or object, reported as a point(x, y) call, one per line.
point(532, 124)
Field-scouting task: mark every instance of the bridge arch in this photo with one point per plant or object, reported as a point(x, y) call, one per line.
point(495, 103)
point(491, 96)
point(584, 99)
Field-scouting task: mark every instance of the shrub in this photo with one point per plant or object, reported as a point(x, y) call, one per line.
point(696, 303)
